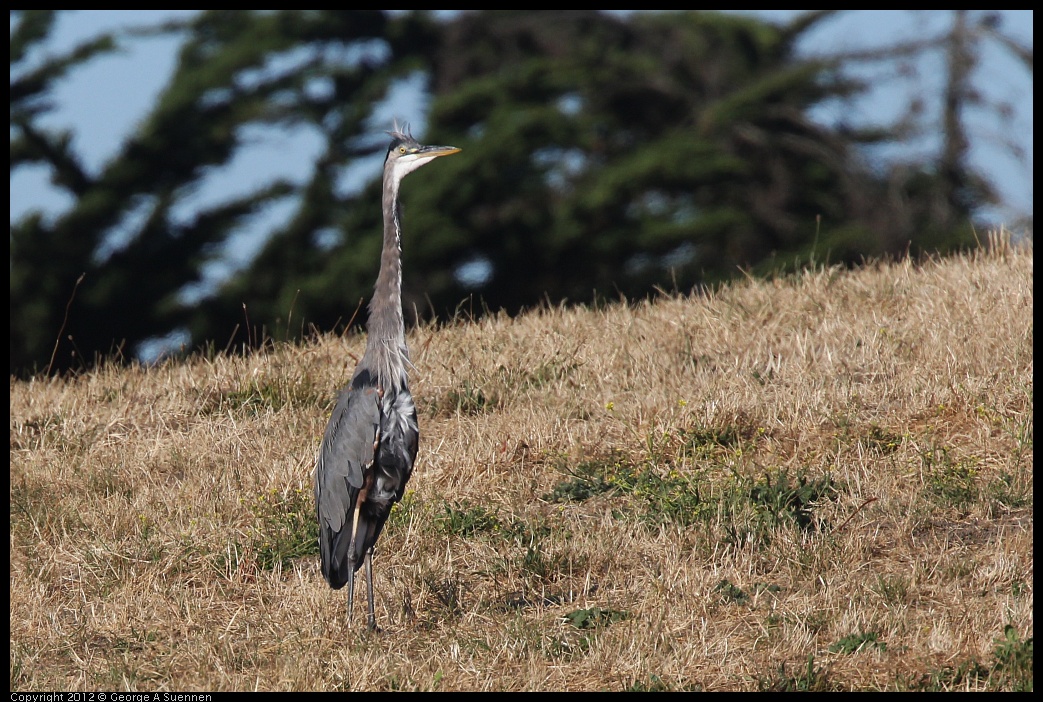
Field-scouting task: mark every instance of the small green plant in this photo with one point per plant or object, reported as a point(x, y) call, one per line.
point(671, 498)
point(663, 497)
point(853, 643)
point(893, 589)
point(595, 617)
point(534, 562)
point(285, 527)
point(714, 436)
point(469, 398)
point(969, 674)
point(731, 593)
point(809, 678)
point(589, 478)
point(1010, 670)
point(752, 512)
point(1011, 491)
point(950, 482)
point(1012, 656)
point(653, 684)
point(881, 440)
point(586, 623)
point(782, 500)
point(267, 393)
point(467, 520)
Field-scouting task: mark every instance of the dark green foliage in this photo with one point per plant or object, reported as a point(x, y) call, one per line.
point(697, 438)
point(585, 627)
point(603, 154)
point(754, 508)
point(1011, 491)
point(129, 291)
point(673, 497)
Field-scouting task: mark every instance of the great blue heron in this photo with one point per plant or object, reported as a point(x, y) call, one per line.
point(370, 444)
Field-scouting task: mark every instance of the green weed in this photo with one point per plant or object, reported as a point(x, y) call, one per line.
point(588, 479)
point(467, 520)
point(1012, 662)
point(950, 482)
point(595, 617)
point(753, 510)
point(809, 678)
point(469, 398)
point(1009, 670)
point(654, 684)
point(586, 623)
point(284, 529)
point(881, 440)
point(894, 590)
point(853, 643)
point(266, 394)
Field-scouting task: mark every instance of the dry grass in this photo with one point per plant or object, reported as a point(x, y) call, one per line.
point(818, 482)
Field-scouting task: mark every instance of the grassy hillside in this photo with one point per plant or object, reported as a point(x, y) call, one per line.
point(818, 482)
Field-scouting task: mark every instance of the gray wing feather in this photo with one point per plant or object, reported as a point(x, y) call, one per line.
point(346, 452)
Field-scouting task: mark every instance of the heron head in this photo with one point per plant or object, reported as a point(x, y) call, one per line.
point(405, 154)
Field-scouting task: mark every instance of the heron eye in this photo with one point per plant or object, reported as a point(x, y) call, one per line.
point(401, 149)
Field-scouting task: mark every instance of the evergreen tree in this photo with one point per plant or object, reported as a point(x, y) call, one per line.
point(603, 154)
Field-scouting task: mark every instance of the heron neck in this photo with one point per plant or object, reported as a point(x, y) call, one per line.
point(386, 342)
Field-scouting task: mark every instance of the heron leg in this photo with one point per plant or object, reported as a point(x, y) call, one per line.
point(369, 583)
point(355, 530)
point(351, 557)
point(351, 545)
point(351, 592)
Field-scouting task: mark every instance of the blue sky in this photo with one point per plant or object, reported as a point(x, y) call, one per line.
point(104, 100)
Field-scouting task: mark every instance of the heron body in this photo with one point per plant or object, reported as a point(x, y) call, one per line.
point(370, 444)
